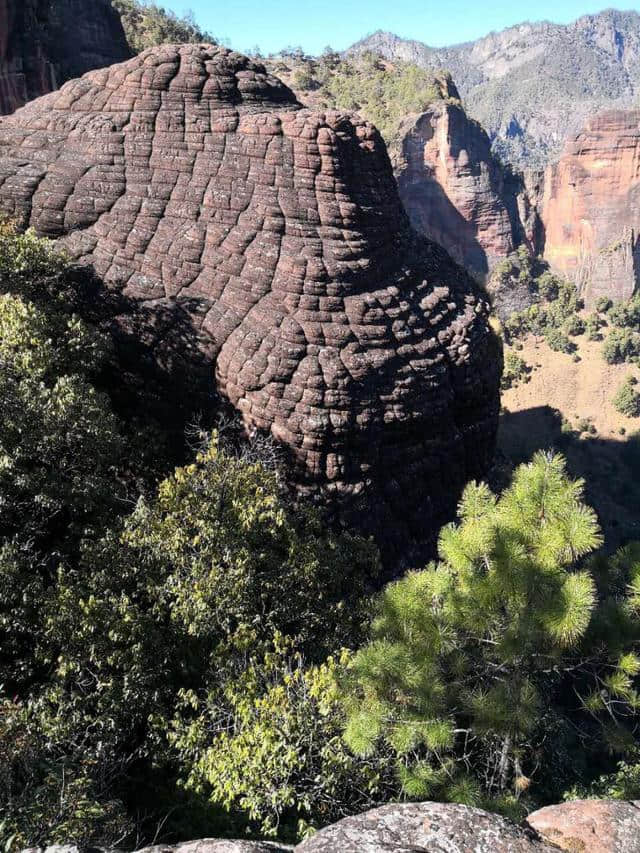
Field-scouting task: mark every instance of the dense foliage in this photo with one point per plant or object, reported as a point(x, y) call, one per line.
point(627, 399)
point(108, 615)
point(383, 93)
point(555, 302)
point(147, 24)
point(183, 654)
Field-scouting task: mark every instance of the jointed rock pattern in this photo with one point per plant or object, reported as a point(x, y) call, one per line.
point(189, 177)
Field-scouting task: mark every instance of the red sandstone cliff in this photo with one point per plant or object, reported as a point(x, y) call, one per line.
point(196, 184)
point(43, 44)
point(457, 193)
point(591, 207)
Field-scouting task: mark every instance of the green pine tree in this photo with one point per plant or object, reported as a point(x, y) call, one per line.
point(472, 661)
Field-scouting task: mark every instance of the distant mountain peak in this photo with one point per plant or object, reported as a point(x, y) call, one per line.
point(547, 77)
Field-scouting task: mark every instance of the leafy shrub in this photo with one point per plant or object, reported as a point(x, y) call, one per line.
point(603, 303)
point(515, 371)
point(621, 345)
point(558, 341)
point(627, 399)
point(270, 745)
point(592, 327)
point(626, 314)
point(574, 325)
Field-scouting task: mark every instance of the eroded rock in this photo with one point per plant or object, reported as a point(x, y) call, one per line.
point(44, 43)
point(590, 826)
point(591, 207)
point(194, 182)
point(424, 828)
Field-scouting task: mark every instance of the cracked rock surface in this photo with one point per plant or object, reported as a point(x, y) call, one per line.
point(192, 180)
point(424, 828)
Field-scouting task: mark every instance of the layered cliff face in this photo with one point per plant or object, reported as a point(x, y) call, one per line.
point(591, 207)
point(43, 44)
point(191, 179)
point(457, 193)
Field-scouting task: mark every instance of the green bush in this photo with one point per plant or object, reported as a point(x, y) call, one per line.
point(558, 341)
point(621, 345)
point(626, 314)
point(515, 371)
point(574, 326)
point(627, 399)
point(603, 303)
point(270, 746)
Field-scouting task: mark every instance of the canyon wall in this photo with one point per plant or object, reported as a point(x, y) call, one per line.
point(195, 183)
point(591, 207)
point(43, 44)
point(457, 193)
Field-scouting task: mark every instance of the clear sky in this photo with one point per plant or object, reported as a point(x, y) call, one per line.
point(313, 24)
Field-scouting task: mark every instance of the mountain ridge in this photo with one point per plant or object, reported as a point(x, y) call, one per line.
point(534, 84)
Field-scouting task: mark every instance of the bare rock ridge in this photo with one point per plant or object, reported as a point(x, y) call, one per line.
point(591, 207)
point(191, 179)
point(457, 193)
point(44, 43)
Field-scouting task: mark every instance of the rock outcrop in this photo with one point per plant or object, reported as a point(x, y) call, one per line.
point(580, 826)
point(591, 207)
point(457, 193)
point(592, 826)
point(428, 827)
point(43, 44)
point(190, 179)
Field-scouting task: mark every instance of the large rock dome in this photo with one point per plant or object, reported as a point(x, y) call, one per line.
point(189, 178)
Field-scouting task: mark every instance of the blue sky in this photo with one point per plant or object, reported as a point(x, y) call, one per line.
point(273, 24)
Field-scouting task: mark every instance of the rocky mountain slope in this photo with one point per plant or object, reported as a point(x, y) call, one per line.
point(533, 85)
point(193, 180)
point(44, 44)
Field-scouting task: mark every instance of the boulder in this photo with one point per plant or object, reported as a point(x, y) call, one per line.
point(590, 826)
point(424, 828)
point(195, 184)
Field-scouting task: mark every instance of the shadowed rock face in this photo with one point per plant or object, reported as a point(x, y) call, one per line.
point(457, 193)
point(190, 178)
point(591, 207)
point(45, 43)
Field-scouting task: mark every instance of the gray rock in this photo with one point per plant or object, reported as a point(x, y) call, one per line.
point(424, 828)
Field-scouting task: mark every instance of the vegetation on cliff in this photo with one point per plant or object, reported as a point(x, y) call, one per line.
point(190, 653)
point(382, 92)
point(147, 24)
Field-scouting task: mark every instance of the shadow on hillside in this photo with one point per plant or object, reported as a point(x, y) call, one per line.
point(610, 467)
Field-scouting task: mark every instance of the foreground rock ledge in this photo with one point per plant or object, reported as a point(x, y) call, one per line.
point(428, 827)
point(193, 181)
point(592, 826)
